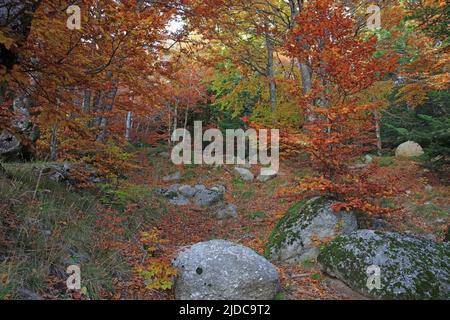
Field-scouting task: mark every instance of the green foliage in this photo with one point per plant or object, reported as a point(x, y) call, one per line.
point(258, 215)
point(433, 21)
point(249, 193)
point(154, 150)
point(280, 296)
point(49, 226)
point(235, 92)
point(430, 210)
point(386, 161)
point(125, 193)
point(238, 182)
point(309, 263)
point(158, 274)
point(428, 125)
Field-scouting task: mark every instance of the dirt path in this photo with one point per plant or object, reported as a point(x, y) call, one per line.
point(260, 208)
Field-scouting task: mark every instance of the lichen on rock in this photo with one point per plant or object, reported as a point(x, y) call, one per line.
point(411, 267)
point(307, 223)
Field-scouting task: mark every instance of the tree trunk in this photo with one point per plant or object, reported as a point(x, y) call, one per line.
point(104, 120)
point(378, 133)
point(186, 121)
point(54, 143)
point(306, 74)
point(296, 7)
point(97, 105)
point(175, 118)
point(129, 125)
point(186, 118)
point(86, 101)
point(271, 73)
point(169, 128)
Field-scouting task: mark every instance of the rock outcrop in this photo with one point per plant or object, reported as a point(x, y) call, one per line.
point(222, 270)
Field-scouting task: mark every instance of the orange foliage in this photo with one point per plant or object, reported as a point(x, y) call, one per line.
point(342, 128)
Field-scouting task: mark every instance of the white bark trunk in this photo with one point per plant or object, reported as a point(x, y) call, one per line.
point(129, 125)
point(378, 133)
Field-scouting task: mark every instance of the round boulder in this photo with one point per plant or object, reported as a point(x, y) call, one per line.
point(304, 227)
point(409, 149)
point(222, 270)
point(409, 267)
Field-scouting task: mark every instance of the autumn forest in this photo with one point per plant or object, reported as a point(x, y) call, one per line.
point(224, 150)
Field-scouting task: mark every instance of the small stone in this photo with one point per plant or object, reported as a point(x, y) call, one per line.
point(208, 198)
point(29, 295)
point(368, 159)
point(245, 174)
point(245, 165)
point(267, 174)
point(173, 177)
point(227, 212)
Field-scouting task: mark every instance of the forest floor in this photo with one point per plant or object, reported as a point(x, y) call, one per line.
point(41, 222)
point(260, 206)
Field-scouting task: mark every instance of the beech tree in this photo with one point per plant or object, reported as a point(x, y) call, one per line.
point(342, 65)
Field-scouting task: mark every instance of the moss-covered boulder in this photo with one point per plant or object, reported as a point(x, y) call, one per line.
point(410, 267)
point(305, 226)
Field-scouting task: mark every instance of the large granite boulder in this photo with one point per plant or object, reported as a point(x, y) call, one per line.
point(222, 270)
point(58, 172)
point(10, 146)
point(410, 267)
point(15, 143)
point(304, 227)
